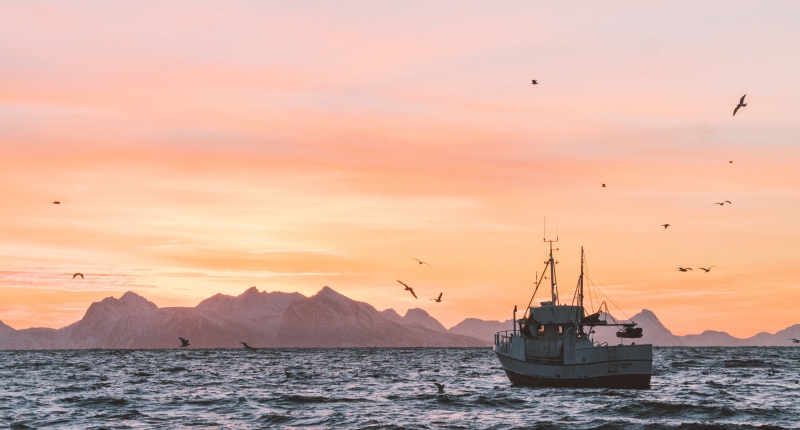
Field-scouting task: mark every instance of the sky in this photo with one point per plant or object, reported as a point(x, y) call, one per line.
point(206, 147)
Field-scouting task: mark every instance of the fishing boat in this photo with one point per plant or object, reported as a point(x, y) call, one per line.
point(552, 344)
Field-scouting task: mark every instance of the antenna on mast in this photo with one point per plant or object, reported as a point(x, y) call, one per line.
point(552, 263)
point(544, 232)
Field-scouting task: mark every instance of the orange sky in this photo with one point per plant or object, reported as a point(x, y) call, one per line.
point(207, 148)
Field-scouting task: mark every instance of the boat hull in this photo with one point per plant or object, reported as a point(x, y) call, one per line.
point(636, 382)
point(628, 367)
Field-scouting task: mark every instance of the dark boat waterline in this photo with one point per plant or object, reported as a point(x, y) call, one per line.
point(635, 382)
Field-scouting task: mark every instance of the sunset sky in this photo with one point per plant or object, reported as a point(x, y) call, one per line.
point(205, 147)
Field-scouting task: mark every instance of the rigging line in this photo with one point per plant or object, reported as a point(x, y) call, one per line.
point(615, 305)
point(575, 295)
point(588, 274)
point(535, 290)
point(586, 263)
point(596, 289)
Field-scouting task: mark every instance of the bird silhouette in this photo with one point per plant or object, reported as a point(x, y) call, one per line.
point(604, 185)
point(56, 202)
point(246, 346)
point(419, 261)
point(723, 203)
point(740, 105)
point(184, 342)
point(707, 270)
point(408, 288)
point(440, 387)
point(683, 269)
point(533, 82)
point(439, 300)
point(730, 161)
point(78, 274)
point(665, 226)
point(795, 340)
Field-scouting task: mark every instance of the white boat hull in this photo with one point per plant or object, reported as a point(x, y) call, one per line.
point(622, 366)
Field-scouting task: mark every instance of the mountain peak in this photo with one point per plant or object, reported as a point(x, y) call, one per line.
point(648, 313)
point(416, 313)
point(419, 317)
point(250, 291)
point(329, 293)
point(130, 296)
point(129, 300)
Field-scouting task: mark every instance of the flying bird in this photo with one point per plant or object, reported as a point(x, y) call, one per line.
point(419, 261)
point(604, 185)
point(533, 82)
point(440, 387)
point(795, 340)
point(707, 270)
point(77, 274)
point(723, 203)
point(408, 288)
point(730, 161)
point(56, 202)
point(184, 342)
point(246, 346)
point(683, 269)
point(740, 105)
point(439, 300)
point(665, 226)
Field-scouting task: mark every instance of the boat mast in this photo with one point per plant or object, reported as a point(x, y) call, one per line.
point(553, 283)
point(580, 295)
point(552, 263)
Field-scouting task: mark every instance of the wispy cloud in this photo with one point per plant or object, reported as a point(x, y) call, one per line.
point(93, 279)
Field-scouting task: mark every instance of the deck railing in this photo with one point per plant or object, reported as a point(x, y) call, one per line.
point(502, 340)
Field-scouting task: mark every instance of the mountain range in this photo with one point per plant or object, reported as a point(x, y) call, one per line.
point(288, 320)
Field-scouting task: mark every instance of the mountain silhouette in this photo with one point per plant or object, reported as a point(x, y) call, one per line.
point(288, 320)
point(327, 319)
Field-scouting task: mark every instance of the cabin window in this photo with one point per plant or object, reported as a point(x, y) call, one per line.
point(540, 329)
point(561, 329)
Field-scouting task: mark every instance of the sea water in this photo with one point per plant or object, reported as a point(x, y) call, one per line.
point(384, 388)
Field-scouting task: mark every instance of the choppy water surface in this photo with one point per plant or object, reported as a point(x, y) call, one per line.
point(384, 388)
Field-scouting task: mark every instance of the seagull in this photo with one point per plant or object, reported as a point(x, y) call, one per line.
point(604, 185)
point(408, 288)
point(439, 300)
point(723, 203)
point(795, 340)
point(440, 387)
point(246, 346)
point(420, 261)
point(56, 202)
point(665, 226)
point(77, 274)
point(683, 269)
point(184, 342)
point(730, 161)
point(533, 82)
point(707, 270)
point(740, 105)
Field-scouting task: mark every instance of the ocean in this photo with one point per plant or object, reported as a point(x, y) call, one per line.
point(387, 388)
